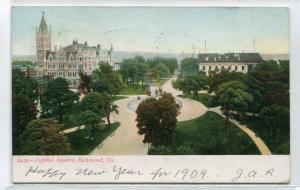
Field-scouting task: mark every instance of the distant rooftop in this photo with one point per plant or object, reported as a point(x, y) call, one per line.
point(230, 57)
point(73, 48)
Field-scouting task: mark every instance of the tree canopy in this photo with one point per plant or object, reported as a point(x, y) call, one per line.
point(156, 119)
point(23, 111)
point(90, 120)
point(85, 85)
point(191, 83)
point(101, 104)
point(58, 99)
point(233, 96)
point(22, 84)
point(189, 66)
point(105, 79)
point(43, 137)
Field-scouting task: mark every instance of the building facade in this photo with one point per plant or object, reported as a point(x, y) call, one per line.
point(67, 62)
point(239, 62)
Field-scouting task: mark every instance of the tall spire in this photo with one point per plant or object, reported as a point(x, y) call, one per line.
point(43, 26)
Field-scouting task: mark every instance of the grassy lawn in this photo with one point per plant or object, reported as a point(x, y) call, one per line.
point(115, 98)
point(206, 99)
point(208, 135)
point(134, 90)
point(263, 131)
point(83, 146)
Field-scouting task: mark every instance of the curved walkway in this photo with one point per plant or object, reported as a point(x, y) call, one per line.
point(190, 109)
point(262, 147)
point(126, 139)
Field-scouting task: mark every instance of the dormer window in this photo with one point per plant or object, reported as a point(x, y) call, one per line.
point(206, 58)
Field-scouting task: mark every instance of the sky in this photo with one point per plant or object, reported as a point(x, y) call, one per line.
point(156, 29)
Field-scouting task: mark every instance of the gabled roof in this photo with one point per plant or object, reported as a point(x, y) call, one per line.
point(43, 26)
point(73, 48)
point(230, 57)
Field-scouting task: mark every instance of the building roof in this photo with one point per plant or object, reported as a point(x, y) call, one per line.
point(73, 48)
point(43, 26)
point(230, 57)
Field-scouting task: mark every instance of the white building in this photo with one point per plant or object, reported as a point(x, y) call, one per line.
point(239, 62)
point(67, 62)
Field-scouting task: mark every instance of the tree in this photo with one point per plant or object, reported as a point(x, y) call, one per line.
point(189, 66)
point(170, 63)
point(109, 107)
point(18, 63)
point(91, 120)
point(43, 137)
point(217, 78)
point(94, 102)
point(23, 111)
point(274, 82)
point(105, 79)
point(142, 73)
point(129, 70)
point(85, 83)
point(22, 84)
point(156, 119)
point(191, 83)
point(101, 104)
point(162, 70)
point(58, 99)
point(276, 117)
point(233, 96)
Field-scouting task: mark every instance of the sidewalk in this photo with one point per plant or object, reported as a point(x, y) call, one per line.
point(264, 150)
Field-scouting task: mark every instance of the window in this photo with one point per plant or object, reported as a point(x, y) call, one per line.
point(203, 68)
point(236, 68)
point(222, 67)
point(243, 67)
point(229, 67)
point(210, 68)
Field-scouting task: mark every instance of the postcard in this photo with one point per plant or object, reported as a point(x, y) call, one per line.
point(150, 94)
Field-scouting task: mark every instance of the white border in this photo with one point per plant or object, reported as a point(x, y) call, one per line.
point(5, 113)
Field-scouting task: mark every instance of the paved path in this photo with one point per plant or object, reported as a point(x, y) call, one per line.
point(264, 150)
point(125, 139)
point(190, 109)
point(73, 129)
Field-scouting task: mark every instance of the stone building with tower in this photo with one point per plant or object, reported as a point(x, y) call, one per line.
point(238, 62)
point(67, 62)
